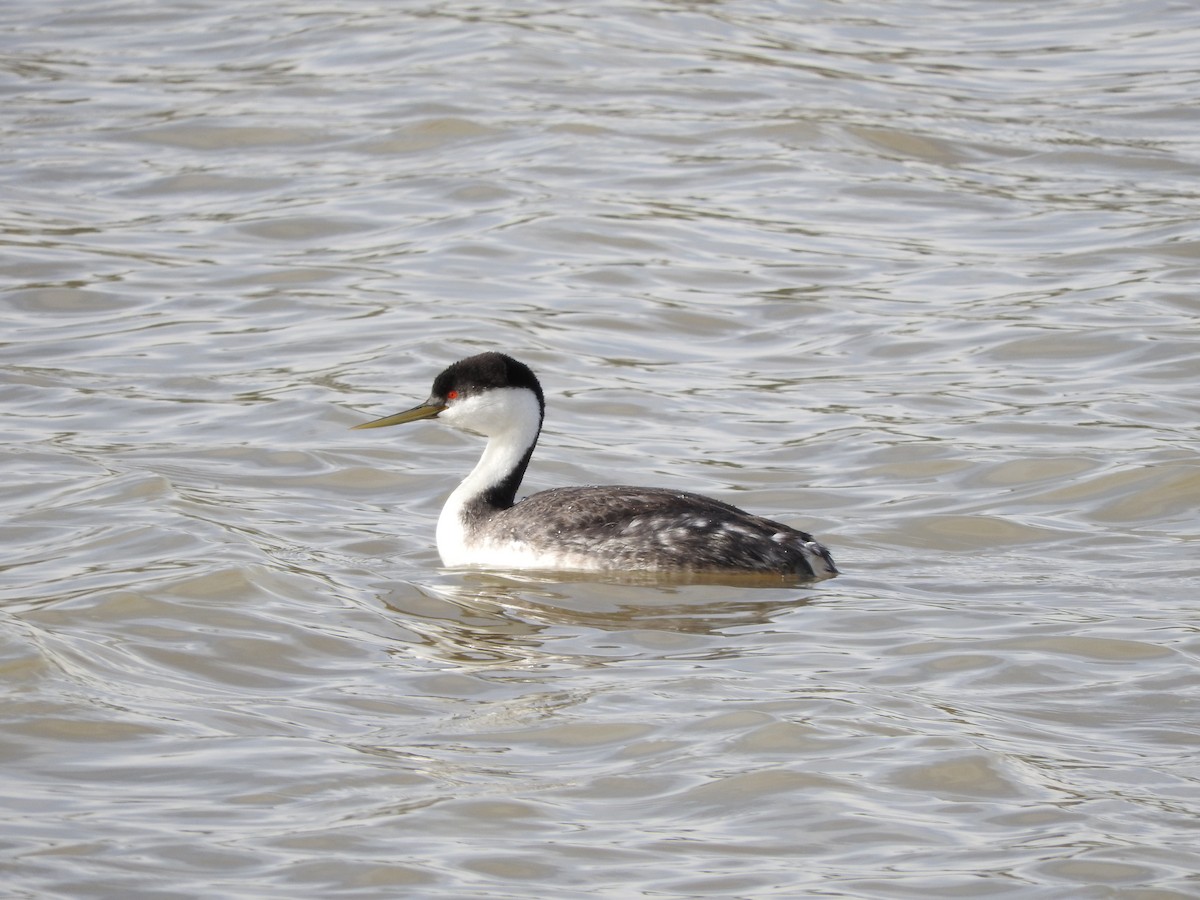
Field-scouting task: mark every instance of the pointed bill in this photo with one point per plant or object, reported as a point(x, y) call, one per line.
point(424, 411)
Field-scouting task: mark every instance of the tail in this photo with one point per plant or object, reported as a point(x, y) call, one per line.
point(820, 562)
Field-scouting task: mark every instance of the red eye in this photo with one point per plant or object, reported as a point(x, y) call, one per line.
point(451, 395)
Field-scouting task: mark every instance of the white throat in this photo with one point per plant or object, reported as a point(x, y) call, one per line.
point(510, 418)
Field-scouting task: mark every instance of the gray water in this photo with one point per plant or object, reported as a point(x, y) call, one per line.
point(919, 277)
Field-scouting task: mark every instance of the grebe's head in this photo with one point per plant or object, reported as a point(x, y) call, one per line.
point(487, 394)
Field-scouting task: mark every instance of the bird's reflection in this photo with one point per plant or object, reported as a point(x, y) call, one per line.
point(488, 619)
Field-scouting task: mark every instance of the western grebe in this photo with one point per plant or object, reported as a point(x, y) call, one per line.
point(597, 528)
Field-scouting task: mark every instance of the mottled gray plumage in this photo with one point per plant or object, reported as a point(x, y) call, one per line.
point(626, 527)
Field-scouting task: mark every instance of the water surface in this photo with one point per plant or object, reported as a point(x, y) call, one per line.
point(919, 278)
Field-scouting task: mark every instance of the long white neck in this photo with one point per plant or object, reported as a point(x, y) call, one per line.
point(511, 418)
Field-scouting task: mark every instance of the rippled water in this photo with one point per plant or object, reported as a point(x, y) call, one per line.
point(920, 277)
